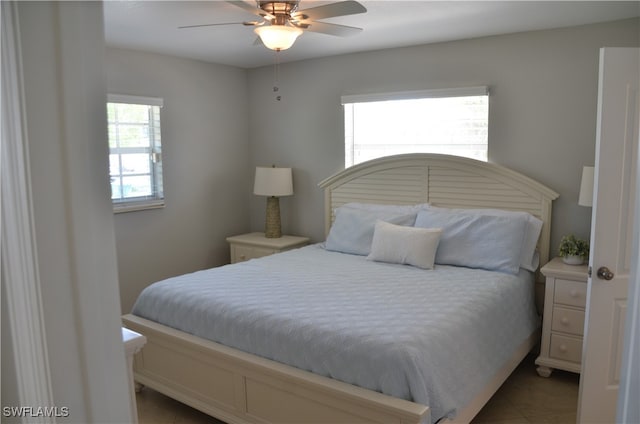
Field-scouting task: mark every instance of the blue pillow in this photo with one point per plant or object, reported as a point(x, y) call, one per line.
point(529, 258)
point(476, 241)
point(352, 229)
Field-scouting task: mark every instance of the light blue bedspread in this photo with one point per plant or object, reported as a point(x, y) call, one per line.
point(430, 336)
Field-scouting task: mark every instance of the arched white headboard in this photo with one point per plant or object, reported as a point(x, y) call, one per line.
point(441, 180)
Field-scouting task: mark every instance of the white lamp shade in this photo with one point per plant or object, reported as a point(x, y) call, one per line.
point(586, 186)
point(278, 37)
point(273, 182)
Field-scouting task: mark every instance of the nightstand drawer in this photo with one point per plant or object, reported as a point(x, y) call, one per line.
point(244, 253)
point(569, 292)
point(566, 348)
point(240, 253)
point(256, 245)
point(259, 252)
point(568, 321)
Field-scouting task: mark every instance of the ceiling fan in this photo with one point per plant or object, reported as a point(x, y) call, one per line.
point(281, 22)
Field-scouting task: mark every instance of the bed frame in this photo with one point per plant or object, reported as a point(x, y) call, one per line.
point(238, 387)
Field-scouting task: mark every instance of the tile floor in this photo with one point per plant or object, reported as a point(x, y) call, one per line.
point(528, 398)
point(524, 398)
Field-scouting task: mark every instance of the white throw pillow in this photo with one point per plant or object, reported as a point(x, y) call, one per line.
point(404, 245)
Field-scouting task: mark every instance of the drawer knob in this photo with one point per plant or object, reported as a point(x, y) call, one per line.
point(564, 320)
point(573, 293)
point(563, 348)
point(243, 257)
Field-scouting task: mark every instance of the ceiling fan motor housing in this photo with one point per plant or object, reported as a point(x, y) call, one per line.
point(279, 8)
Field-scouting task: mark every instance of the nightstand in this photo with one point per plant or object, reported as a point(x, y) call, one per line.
point(256, 245)
point(565, 297)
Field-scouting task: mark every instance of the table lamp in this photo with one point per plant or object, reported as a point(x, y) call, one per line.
point(273, 182)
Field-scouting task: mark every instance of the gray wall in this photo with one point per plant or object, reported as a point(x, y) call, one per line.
point(542, 111)
point(205, 166)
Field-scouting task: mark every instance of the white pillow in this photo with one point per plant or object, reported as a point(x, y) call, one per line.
point(529, 258)
point(476, 241)
point(404, 245)
point(352, 229)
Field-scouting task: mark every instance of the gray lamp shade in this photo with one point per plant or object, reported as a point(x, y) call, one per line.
point(273, 182)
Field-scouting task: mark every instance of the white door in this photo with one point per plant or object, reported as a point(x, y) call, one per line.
point(611, 233)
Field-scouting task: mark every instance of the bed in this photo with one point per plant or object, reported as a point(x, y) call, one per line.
point(228, 383)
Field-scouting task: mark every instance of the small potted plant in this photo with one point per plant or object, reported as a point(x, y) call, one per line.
point(573, 250)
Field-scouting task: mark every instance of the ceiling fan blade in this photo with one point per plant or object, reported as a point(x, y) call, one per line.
point(333, 29)
point(251, 8)
point(342, 8)
point(217, 24)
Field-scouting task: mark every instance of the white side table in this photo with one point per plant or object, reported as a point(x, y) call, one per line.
point(133, 342)
point(563, 319)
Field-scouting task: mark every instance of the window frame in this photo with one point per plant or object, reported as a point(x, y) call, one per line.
point(154, 150)
point(351, 99)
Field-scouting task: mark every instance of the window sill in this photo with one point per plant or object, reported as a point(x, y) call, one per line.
point(138, 206)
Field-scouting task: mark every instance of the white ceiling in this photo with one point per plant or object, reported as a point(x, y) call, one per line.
point(153, 26)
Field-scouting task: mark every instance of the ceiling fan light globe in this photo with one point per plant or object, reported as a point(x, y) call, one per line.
point(278, 37)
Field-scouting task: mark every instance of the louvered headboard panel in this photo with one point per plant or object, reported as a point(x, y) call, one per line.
point(461, 188)
point(441, 180)
point(395, 186)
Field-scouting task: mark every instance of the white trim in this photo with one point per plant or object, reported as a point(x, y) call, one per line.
point(416, 94)
point(135, 100)
point(19, 258)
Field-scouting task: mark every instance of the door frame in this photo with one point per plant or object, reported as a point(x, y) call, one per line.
point(20, 277)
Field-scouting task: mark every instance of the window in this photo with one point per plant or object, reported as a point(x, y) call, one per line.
point(448, 121)
point(135, 152)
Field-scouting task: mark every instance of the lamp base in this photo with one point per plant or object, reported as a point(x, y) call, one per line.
point(272, 227)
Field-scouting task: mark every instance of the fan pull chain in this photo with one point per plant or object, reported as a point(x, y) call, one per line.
point(276, 75)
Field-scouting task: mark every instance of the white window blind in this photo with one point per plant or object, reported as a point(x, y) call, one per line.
point(449, 121)
point(135, 152)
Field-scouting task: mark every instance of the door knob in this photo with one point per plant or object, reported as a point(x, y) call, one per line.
point(604, 273)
